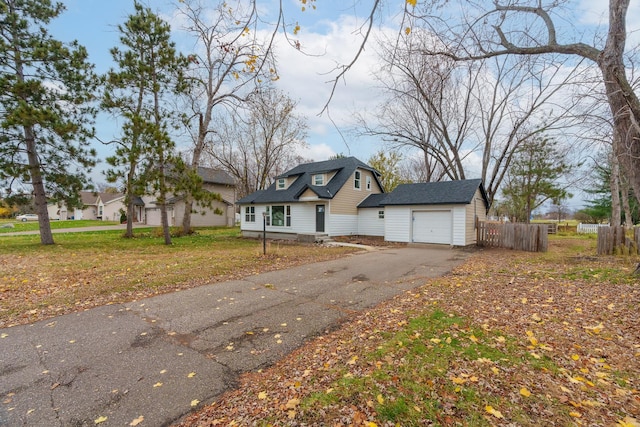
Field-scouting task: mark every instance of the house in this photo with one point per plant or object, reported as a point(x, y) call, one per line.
point(221, 213)
point(95, 206)
point(311, 198)
point(344, 197)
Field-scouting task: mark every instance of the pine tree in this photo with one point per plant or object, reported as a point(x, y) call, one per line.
point(149, 70)
point(46, 90)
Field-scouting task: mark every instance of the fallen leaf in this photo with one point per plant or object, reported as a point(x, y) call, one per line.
point(158, 384)
point(493, 411)
point(262, 395)
point(100, 420)
point(628, 422)
point(194, 402)
point(137, 421)
point(380, 399)
point(191, 375)
point(525, 392)
point(292, 403)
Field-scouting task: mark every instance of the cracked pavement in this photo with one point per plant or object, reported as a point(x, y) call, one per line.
point(162, 357)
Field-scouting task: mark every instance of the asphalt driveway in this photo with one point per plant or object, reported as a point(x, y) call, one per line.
point(160, 358)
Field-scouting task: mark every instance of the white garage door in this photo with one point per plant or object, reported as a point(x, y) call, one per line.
point(432, 227)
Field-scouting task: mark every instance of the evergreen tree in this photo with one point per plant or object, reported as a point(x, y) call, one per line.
point(533, 177)
point(46, 89)
point(149, 71)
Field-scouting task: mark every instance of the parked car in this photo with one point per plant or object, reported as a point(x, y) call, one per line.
point(27, 217)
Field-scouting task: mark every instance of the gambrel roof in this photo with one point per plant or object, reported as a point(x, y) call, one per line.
point(301, 176)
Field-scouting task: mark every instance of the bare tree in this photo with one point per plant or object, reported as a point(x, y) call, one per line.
point(528, 28)
point(451, 110)
point(229, 57)
point(261, 142)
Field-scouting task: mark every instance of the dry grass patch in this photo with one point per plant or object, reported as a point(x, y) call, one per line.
point(85, 270)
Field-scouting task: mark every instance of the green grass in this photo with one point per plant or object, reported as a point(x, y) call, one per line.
point(55, 225)
point(415, 381)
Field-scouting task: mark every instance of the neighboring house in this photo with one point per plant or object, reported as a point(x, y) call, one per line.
point(311, 198)
point(344, 197)
point(222, 213)
point(95, 206)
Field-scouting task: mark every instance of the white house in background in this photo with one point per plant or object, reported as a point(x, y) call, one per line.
point(95, 206)
point(344, 197)
point(311, 198)
point(221, 213)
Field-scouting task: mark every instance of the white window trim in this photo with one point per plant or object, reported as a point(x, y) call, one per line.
point(368, 182)
point(283, 182)
point(357, 180)
point(316, 176)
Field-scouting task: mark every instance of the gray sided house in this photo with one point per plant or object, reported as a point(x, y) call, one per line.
point(312, 198)
point(344, 197)
point(221, 213)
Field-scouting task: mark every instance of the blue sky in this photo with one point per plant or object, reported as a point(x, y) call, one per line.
point(331, 30)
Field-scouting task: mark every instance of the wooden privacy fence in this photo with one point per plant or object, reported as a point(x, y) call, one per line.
point(521, 237)
point(616, 241)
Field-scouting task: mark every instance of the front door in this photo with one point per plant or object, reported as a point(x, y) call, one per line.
point(319, 218)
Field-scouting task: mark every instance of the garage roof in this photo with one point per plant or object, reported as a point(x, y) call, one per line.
point(434, 193)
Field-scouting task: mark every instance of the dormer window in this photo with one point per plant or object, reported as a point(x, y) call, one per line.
point(356, 180)
point(318, 179)
point(282, 184)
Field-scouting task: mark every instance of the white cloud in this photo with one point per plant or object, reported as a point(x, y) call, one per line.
point(316, 152)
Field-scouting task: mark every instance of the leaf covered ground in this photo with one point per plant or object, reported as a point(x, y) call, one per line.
point(508, 338)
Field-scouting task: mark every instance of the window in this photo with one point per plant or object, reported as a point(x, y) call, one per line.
point(318, 179)
point(356, 181)
point(381, 214)
point(279, 216)
point(368, 183)
point(250, 214)
point(282, 184)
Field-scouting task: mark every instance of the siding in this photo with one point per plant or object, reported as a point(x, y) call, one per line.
point(348, 198)
point(397, 224)
point(368, 222)
point(303, 219)
point(342, 225)
point(459, 226)
point(475, 209)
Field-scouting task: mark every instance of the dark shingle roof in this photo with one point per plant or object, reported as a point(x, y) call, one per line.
point(373, 201)
point(435, 193)
point(215, 176)
point(344, 168)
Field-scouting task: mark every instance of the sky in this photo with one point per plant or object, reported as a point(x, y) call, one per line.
point(330, 31)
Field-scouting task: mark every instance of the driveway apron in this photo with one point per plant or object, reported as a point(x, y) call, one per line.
point(157, 359)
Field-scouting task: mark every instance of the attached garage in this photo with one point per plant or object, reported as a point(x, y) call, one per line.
point(445, 213)
point(432, 227)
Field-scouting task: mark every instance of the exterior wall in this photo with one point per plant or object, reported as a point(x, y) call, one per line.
point(153, 216)
point(204, 217)
point(348, 198)
point(341, 225)
point(111, 210)
point(397, 224)
point(303, 220)
point(368, 222)
point(475, 212)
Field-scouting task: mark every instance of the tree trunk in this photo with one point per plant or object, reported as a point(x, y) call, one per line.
point(614, 185)
point(39, 194)
point(624, 103)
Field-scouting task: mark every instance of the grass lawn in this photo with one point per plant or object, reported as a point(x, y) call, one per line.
point(55, 225)
point(509, 338)
point(87, 269)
